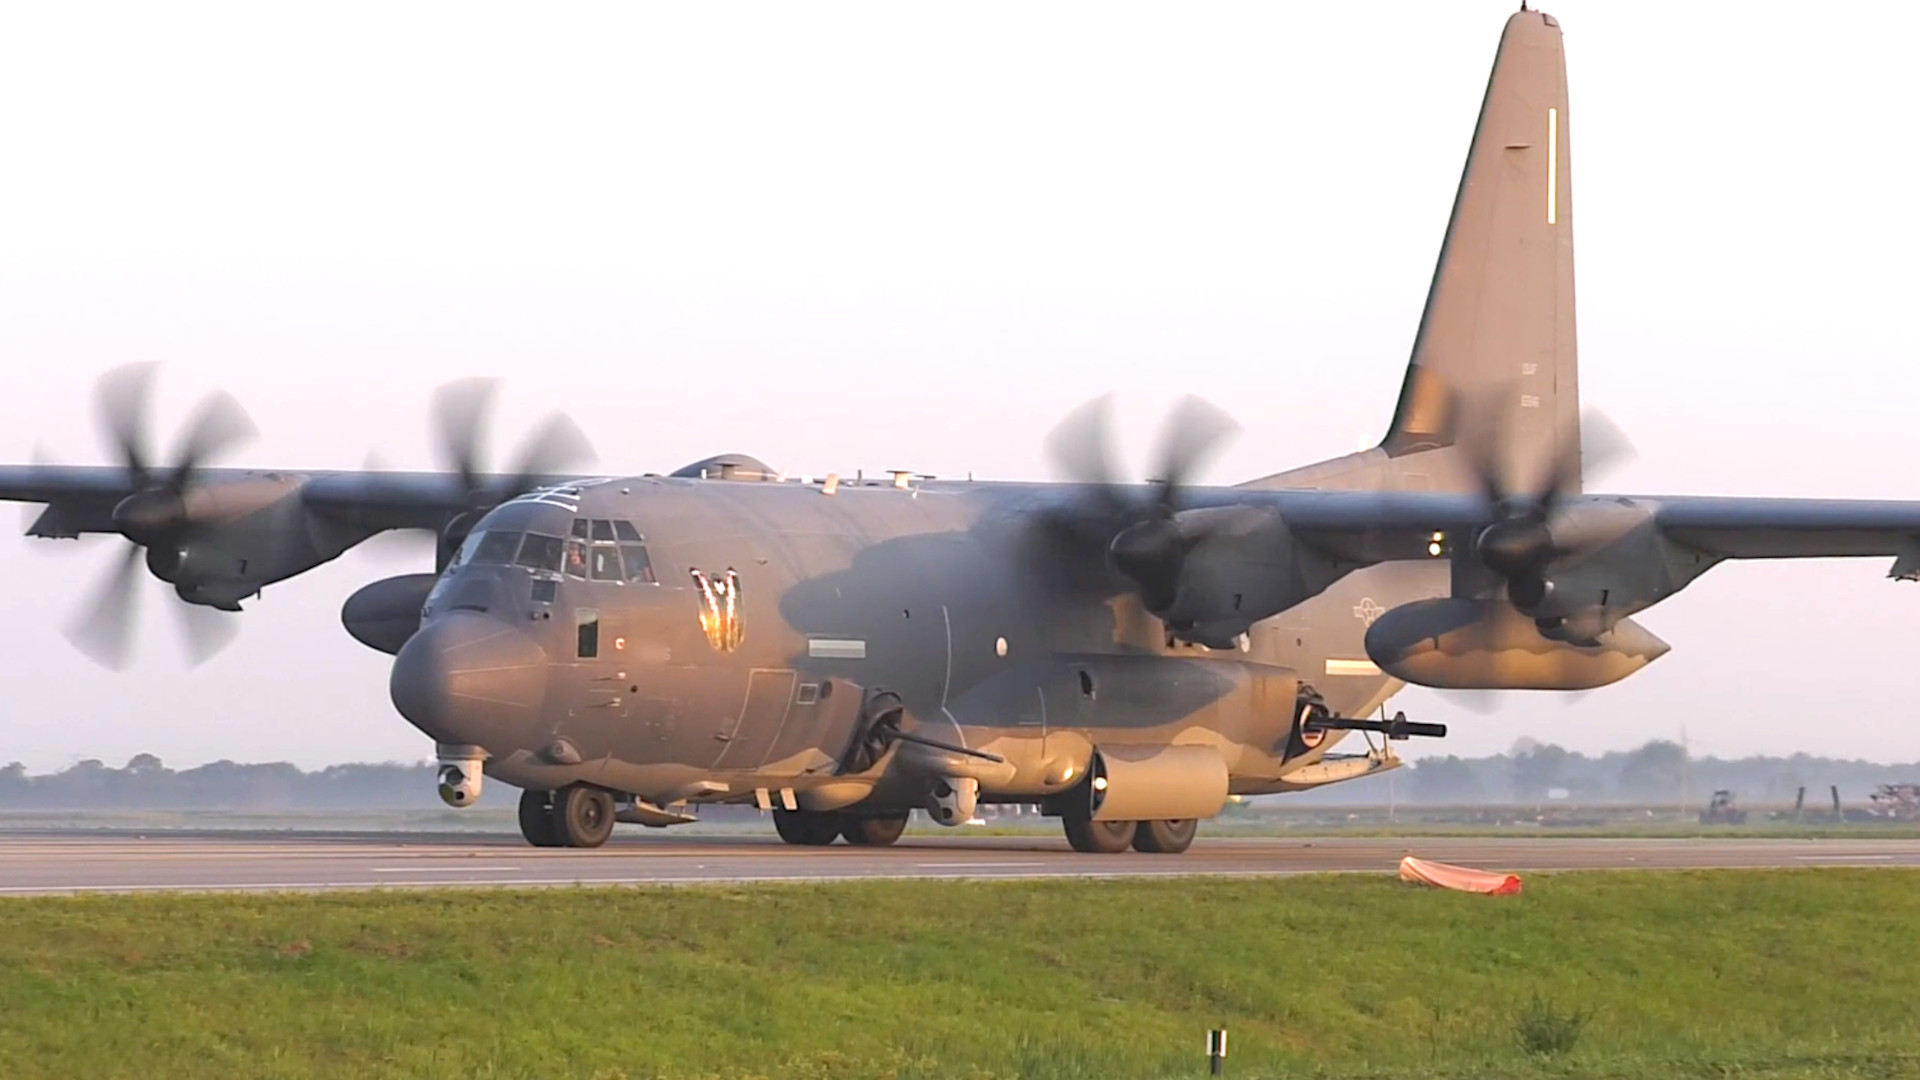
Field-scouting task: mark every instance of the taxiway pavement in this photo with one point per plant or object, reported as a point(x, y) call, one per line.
point(126, 861)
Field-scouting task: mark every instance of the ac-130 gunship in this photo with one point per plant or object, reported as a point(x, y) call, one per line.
point(1125, 656)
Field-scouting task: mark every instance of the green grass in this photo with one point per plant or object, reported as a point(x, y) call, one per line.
point(1761, 974)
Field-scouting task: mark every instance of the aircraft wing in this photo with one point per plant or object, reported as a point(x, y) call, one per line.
point(1753, 528)
point(390, 500)
point(79, 498)
point(1375, 526)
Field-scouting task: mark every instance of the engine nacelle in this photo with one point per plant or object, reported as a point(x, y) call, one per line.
point(1212, 573)
point(1459, 643)
point(385, 614)
point(1156, 783)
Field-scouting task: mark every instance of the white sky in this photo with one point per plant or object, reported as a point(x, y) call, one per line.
point(893, 235)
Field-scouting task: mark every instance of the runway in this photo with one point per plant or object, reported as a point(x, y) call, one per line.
point(112, 862)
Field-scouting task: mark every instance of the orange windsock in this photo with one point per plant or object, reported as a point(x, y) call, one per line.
point(1465, 879)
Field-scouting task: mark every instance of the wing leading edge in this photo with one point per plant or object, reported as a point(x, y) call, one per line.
point(1375, 526)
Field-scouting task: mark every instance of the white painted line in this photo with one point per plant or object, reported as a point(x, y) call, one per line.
point(1843, 858)
point(973, 865)
point(1553, 166)
point(443, 869)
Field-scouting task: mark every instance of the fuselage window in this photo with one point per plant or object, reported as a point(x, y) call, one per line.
point(603, 563)
point(497, 547)
point(639, 567)
point(539, 552)
point(576, 560)
point(602, 530)
point(587, 626)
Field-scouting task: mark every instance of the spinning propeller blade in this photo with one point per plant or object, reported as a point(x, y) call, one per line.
point(1137, 529)
point(157, 512)
point(463, 412)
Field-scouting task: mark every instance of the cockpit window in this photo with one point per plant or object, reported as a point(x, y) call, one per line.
point(539, 552)
point(580, 528)
point(603, 563)
point(625, 531)
point(639, 567)
point(576, 559)
point(496, 547)
point(602, 530)
point(465, 552)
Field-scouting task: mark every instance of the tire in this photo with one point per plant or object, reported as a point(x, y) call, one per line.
point(1098, 837)
point(806, 828)
point(1165, 837)
point(582, 816)
point(873, 831)
point(536, 818)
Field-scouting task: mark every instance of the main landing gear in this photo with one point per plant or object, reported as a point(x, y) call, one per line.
point(1111, 837)
point(814, 828)
point(575, 816)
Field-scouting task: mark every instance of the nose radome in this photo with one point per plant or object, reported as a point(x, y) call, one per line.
point(469, 678)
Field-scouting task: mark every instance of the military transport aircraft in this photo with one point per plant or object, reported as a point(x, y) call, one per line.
point(1127, 656)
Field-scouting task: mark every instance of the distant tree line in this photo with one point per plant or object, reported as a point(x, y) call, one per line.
point(144, 783)
point(1656, 773)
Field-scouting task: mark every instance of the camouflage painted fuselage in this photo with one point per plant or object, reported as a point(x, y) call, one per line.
point(995, 633)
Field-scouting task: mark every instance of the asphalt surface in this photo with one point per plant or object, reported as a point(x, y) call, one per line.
point(68, 862)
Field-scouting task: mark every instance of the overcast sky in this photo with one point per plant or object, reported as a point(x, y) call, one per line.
point(848, 236)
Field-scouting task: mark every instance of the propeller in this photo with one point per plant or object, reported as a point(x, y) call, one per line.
point(1526, 529)
point(462, 413)
point(1142, 538)
point(157, 515)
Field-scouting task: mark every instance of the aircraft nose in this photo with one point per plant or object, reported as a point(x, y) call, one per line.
point(469, 678)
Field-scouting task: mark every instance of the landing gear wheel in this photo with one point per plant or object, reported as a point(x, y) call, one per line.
point(1098, 837)
point(582, 816)
point(873, 831)
point(806, 828)
point(1165, 837)
point(536, 818)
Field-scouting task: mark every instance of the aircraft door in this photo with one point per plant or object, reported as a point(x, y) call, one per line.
point(769, 697)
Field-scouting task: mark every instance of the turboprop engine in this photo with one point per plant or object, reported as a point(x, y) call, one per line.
point(1460, 643)
point(1213, 572)
point(1208, 572)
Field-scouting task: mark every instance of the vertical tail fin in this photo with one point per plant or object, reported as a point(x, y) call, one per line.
point(1499, 321)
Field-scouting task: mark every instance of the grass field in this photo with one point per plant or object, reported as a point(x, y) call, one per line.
point(1796, 973)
